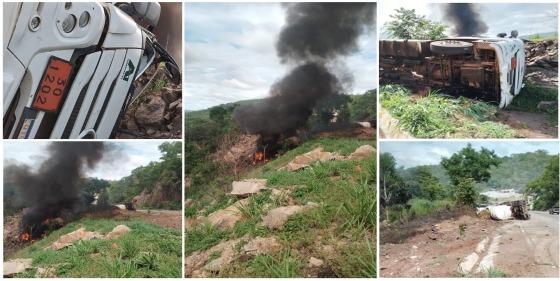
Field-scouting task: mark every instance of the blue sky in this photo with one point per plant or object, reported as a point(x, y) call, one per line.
point(230, 53)
point(130, 155)
point(415, 153)
point(526, 18)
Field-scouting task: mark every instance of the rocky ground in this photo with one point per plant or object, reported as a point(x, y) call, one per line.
point(542, 62)
point(273, 227)
point(156, 111)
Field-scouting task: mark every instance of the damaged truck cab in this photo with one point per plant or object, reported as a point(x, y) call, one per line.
point(490, 67)
point(69, 67)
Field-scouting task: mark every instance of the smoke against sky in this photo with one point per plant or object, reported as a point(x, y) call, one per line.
point(314, 36)
point(130, 156)
point(527, 18)
point(234, 57)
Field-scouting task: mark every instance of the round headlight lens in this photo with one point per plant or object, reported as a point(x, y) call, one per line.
point(69, 23)
point(84, 19)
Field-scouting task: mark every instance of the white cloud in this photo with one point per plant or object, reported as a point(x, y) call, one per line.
point(230, 53)
point(415, 153)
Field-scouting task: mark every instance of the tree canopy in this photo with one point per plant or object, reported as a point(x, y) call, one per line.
point(406, 24)
point(545, 187)
point(469, 163)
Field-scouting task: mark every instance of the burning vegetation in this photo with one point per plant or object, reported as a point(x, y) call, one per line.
point(52, 193)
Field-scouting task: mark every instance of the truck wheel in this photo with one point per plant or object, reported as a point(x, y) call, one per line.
point(451, 47)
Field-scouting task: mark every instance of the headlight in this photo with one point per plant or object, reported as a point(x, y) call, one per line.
point(84, 19)
point(69, 23)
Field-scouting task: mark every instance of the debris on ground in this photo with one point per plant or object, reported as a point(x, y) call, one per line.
point(542, 62)
point(305, 160)
point(156, 110)
point(78, 235)
point(15, 266)
point(226, 218)
point(117, 231)
point(247, 187)
point(276, 218)
point(82, 234)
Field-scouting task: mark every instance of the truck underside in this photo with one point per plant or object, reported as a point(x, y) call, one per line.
point(475, 68)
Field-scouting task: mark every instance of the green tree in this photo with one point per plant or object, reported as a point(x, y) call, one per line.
point(545, 188)
point(469, 163)
point(466, 193)
point(363, 107)
point(218, 114)
point(393, 189)
point(406, 24)
point(430, 187)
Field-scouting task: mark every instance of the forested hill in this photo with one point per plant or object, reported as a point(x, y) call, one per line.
point(515, 171)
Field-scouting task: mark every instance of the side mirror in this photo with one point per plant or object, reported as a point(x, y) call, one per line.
point(148, 11)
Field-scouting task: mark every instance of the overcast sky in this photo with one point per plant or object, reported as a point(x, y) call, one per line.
point(416, 153)
point(230, 53)
point(130, 155)
point(500, 17)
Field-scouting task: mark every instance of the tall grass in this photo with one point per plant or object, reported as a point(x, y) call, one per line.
point(417, 208)
point(436, 115)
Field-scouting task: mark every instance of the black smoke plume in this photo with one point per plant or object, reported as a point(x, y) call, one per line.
point(54, 189)
point(315, 36)
point(464, 18)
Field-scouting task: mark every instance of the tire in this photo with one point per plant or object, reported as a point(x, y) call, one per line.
point(451, 47)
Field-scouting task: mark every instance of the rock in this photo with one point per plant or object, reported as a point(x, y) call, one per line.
point(49, 272)
point(151, 113)
point(467, 264)
point(195, 262)
point(362, 152)
point(16, 266)
point(304, 160)
point(547, 105)
point(259, 246)
point(170, 95)
point(276, 218)
point(150, 131)
point(189, 202)
point(364, 124)
point(313, 262)
point(176, 105)
point(77, 235)
point(168, 116)
point(118, 231)
point(226, 218)
point(246, 187)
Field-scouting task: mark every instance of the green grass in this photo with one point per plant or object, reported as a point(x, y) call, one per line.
point(438, 116)
point(417, 208)
point(146, 251)
point(346, 213)
point(493, 273)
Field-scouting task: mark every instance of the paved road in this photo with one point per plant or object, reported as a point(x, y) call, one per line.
point(529, 248)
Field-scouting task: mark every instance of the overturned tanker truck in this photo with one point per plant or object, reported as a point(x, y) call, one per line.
point(69, 67)
point(491, 68)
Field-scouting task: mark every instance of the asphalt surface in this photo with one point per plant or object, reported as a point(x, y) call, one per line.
point(529, 248)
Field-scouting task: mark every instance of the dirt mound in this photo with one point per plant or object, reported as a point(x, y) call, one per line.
point(160, 194)
point(542, 62)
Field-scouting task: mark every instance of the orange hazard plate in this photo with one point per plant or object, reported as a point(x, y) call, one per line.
point(53, 85)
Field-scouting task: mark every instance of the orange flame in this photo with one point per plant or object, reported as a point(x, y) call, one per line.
point(25, 236)
point(258, 157)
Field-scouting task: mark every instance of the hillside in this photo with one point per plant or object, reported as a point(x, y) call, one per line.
point(515, 171)
point(332, 233)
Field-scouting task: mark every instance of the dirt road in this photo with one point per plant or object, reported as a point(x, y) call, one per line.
point(529, 248)
point(529, 124)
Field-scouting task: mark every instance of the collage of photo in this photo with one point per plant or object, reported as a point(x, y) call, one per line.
point(375, 139)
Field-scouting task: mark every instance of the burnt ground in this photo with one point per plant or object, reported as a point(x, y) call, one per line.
point(432, 247)
point(528, 124)
point(163, 218)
